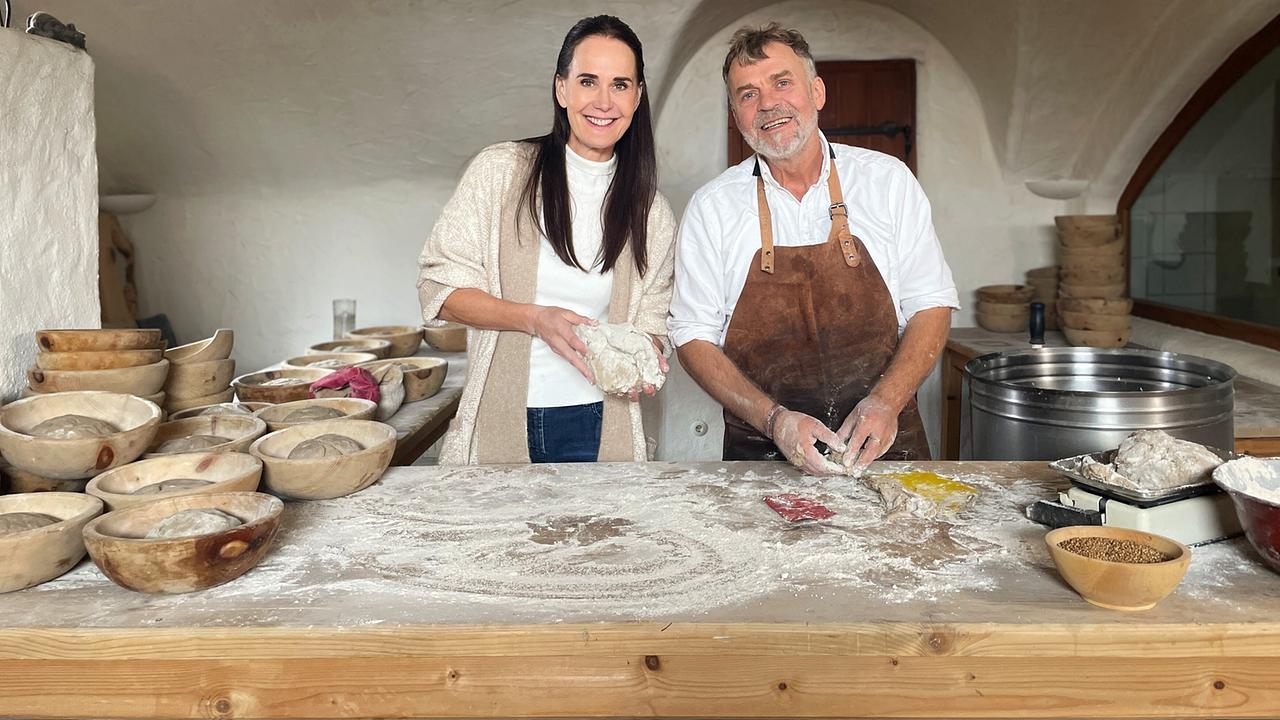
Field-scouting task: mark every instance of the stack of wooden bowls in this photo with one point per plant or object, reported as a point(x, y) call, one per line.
point(129, 361)
point(1004, 308)
point(1044, 281)
point(200, 372)
point(1092, 267)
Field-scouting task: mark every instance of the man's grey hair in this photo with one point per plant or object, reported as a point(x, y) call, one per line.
point(747, 47)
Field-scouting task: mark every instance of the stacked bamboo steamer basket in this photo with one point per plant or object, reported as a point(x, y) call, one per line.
point(1092, 305)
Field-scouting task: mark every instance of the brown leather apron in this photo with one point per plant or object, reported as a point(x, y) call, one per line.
point(815, 328)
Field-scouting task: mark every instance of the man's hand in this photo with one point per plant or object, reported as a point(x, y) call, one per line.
point(554, 326)
point(795, 434)
point(872, 422)
point(648, 389)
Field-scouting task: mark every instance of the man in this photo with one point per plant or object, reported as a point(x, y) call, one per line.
point(811, 294)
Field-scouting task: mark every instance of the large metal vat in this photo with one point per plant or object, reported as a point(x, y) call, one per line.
point(1053, 403)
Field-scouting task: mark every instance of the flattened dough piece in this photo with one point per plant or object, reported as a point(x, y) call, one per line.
point(69, 427)
point(191, 443)
point(16, 522)
point(327, 445)
point(313, 414)
point(171, 485)
point(187, 523)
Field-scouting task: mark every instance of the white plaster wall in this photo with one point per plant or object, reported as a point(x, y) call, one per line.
point(48, 198)
point(991, 229)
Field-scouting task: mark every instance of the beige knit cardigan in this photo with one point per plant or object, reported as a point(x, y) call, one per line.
point(479, 242)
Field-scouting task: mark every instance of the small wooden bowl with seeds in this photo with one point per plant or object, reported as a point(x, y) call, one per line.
point(173, 475)
point(1118, 569)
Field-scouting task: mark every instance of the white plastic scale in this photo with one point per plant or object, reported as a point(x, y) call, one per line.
point(1193, 515)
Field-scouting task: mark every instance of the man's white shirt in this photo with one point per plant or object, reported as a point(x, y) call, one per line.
point(720, 234)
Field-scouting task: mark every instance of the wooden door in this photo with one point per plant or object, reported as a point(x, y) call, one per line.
point(870, 103)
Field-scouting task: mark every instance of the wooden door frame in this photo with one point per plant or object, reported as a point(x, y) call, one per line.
point(1236, 66)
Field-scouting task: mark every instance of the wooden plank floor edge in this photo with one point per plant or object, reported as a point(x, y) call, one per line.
point(1103, 640)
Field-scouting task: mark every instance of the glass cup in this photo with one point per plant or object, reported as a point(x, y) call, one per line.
point(344, 317)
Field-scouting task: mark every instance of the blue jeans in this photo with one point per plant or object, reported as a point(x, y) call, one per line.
point(564, 434)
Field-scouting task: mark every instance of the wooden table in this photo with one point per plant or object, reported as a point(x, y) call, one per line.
point(1257, 418)
point(658, 589)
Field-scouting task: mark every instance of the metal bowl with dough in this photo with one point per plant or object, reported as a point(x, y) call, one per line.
point(88, 340)
point(225, 472)
point(35, 556)
point(253, 388)
point(342, 359)
point(97, 359)
point(140, 380)
point(117, 543)
point(405, 339)
point(351, 409)
point(77, 459)
point(240, 431)
point(423, 376)
point(217, 347)
point(329, 477)
point(199, 379)
point(449, 337)
point(375, 347)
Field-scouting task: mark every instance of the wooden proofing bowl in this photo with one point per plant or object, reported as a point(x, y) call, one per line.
point(226, 408)
point(219, 398)
point(199, 379)
point(1092, 321)
point(97, 359)
point(1097, 306)
point(377, 348)
point(242, 429)
point(351, 408)
point(1094, 276)
point(1110, 248)
point(250, 388)
point(1096, 338)
point(1090, 263)
point(14, 480)
point(90, 340)
point(118, 547)
point(227, 472)
point(217, 347)
point(449, 337)
point(1070, 290)
point(1004, 323)
point(35, 556)
point(1073, 222)
point(423, 376)
point(1117, 585)
point(1049, 272)
point(1006, 294)
point(323, 478)
point(58, 459)
point(405, 339)
point(1088, 238)
point(341, 359)
point(1007, 309)
point(140, 380)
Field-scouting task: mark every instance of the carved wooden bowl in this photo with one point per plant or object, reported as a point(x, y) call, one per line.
point(351, 408)
point(375, 347)
point(241, 429)
point(34, 556)
point(97, 359)
point(76, 459)
point(331, 361)
point(423, 376)
point(1098, 306)
point(140, 380)
point(331, 477)
point(217, 398)
point(1077, 222)
point(251, 388)
point(449, 337)
point(117, 543)
point(405, 339)
point(217, 347)
point(199, 379)
point(226, 472)
point(91, 340)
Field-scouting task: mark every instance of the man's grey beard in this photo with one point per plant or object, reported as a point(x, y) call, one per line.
point(806, 124)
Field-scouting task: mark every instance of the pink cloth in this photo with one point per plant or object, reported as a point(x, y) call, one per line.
point(349, 382)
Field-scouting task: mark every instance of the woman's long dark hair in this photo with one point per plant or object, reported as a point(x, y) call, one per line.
point(634, 185)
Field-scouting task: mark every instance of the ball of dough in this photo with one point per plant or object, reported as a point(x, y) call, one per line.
point(16, 522)
point(349, 348)
point(327, 445)
point(312, 414)
point(330, 363)
point(187, 523)
point(170, 485)
point(225, 410)
point(191, 443)
point(68, 427)
point(283, 381)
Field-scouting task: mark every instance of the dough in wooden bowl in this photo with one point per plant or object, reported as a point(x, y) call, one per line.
point(187, 523)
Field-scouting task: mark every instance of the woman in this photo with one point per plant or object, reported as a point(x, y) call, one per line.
point(545, 234)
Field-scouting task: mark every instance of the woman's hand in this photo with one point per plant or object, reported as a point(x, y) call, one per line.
point(554, 326)
point(663, 365)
